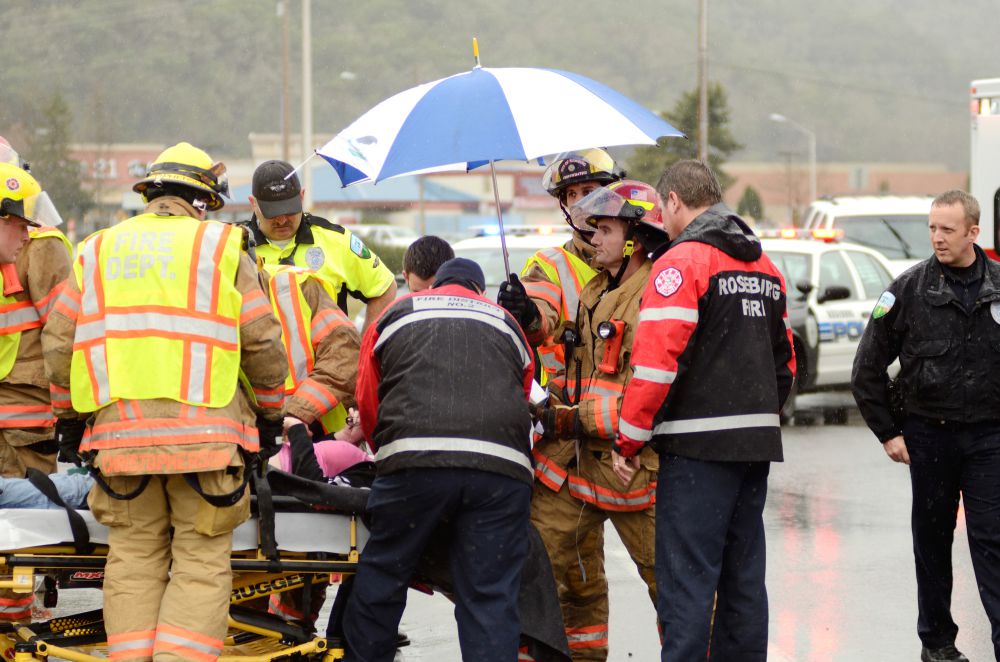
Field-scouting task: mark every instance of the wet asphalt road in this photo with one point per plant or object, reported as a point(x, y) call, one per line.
point(840, 566)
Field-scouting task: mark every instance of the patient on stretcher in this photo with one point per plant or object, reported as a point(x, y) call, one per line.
point(22, 493)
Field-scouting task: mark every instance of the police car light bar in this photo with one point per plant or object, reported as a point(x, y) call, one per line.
point(820, 234)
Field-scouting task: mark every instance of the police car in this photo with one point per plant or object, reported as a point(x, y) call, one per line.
point(838, 284)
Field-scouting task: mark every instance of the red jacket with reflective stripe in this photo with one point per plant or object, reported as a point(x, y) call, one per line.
point(712, 361)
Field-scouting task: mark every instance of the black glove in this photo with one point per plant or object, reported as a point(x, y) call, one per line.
point(270, 433)
point(515, 299)
point(69, 434)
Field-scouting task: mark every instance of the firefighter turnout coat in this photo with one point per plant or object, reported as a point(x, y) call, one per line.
point(714, 299)
point(161, 372)
point(322, 347)
point(30, 286)
point(554, 278)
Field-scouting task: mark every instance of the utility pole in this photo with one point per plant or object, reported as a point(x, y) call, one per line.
point(703, 81)
point(286, 96)
point(307, 118)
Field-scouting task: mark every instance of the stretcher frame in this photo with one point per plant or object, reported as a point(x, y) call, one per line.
point(78, 636)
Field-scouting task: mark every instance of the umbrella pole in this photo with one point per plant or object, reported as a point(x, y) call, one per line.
point(503, 238)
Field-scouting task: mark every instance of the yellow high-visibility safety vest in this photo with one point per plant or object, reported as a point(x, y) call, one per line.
point(159, 313)
point(17, 316)
point(296, 318)
point(571, 274)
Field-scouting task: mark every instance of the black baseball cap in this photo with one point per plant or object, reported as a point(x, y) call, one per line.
point(276, 193)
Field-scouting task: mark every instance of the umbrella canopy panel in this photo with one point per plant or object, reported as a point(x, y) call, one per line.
point(484, 115)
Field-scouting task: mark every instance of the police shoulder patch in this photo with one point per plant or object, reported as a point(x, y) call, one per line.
point(668, 281)
point(883, 305)
point(358, 247)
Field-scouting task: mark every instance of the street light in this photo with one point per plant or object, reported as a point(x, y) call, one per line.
point(777, 117)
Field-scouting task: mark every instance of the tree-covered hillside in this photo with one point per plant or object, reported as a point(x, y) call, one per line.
point(876, 79)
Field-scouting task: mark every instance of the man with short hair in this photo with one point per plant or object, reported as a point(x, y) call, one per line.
point(712, 365)
point(285, 234)
point(941, 319)
point(422, 260)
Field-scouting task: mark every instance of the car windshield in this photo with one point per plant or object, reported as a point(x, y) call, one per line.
point(897, 236)
point(491, 260)
point(795, 267)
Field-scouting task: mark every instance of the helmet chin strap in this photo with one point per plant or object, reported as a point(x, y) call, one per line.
point(615, 280)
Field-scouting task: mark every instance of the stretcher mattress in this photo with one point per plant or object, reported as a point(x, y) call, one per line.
point(295, 532)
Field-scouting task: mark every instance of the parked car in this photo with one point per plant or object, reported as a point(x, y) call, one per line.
point(522, 243)
point(834, 286)
point(385, 234)
point(893, 225)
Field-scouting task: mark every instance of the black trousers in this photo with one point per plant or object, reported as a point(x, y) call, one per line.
point(487, 517)
point(710, 542)
point(946, 460)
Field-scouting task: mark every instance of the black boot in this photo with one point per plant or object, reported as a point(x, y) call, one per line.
point(943, 654)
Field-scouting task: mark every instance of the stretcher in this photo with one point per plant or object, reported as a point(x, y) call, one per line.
point(294, 547)
point(286, 546)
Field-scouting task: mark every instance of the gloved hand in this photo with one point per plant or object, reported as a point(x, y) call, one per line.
point(558, 422)
point(515, 299)
point(270, 433)
point(69, 434)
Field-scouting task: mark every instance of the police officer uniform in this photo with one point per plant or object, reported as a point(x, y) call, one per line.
point(944, 326)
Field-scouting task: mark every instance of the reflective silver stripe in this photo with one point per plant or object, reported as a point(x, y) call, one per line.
point(199, 368)
point(25, 416)
point(18, 316)
point(567, 282)
point(135, 644)
point(222, 432)
point(151, 322)
point(88, 300)
point(632, 432)
point(205, 259)
point(669, 313)
point(788, 323)
point(187, 643)
point(452, 444)
point(587, 636)
point(547, 471)
point(586, 491)
point(604, 411)
point(43, 311)
point(318, 394)
point(654, 374)
point(67, 301)
point(269, 397)
point(592, 389)
point(298, 357)
point(473, 315)
point(718, 423)
point(99, 363)
point(549, 360)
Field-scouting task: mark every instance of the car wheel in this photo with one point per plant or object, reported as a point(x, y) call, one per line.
point(836, 416)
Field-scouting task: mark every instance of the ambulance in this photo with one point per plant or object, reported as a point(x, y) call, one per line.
point(984, 166)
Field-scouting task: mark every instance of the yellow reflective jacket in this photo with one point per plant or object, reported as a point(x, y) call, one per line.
point(157, 292)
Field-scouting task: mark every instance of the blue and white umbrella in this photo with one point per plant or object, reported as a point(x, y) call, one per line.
point(486, 115)
point(469, 119)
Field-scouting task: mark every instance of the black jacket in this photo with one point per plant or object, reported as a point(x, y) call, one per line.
point(949, 358)
point(712, 359)
point(443, 382)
